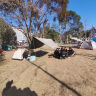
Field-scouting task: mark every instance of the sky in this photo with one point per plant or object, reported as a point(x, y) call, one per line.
point(86, 9)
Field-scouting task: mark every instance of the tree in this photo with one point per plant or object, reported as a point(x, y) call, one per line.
point(73, 20)
point(7, 35)
point(51, 34)
point(74, 25)
point(87, 33)
point(31, 14)
point(70, 25)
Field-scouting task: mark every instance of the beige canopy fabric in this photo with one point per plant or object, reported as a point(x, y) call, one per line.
point(38, 42)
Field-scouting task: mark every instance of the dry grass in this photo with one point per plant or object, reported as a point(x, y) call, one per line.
point(74, 76)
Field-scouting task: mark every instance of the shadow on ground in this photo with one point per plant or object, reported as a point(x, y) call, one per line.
point(59, 81)
point(51, 54)
point(10, 90)
point(39, 53)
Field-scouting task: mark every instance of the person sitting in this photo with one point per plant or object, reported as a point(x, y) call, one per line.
point(59, 50)
point(71, 52)
point(63, 52)
point(57, 53)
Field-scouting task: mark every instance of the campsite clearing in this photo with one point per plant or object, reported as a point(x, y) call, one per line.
point(73, 76)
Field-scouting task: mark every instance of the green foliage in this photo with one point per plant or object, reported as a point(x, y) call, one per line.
point(73, 19)
point(51, 34)
point(81, 34)
point(73, 15)
point(84, 34)
point(32, 14)
point(74, 24)
point(7, 34)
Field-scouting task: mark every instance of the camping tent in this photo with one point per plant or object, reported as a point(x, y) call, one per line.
point(38, 42)
point(93, 44)
point(18, 54)
point(88, 45)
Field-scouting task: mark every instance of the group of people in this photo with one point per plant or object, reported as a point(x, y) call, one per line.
point(63, 52)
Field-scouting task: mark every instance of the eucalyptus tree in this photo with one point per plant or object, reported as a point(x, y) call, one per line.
point(30, 15)
point(74, 22)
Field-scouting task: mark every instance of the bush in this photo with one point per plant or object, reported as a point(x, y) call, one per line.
point(7, 35)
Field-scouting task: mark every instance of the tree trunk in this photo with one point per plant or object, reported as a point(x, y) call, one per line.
point(29, 39)
point(43, 30)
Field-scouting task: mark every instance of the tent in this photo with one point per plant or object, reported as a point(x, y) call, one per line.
point(9, 47)
point(88, 45)
point(6, 47)
point(18, 54)
point(38, 42)
point(93, 44)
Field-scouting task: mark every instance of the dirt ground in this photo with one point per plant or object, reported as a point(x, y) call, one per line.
point(73, 76)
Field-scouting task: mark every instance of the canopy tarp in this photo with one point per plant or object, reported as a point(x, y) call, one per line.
point(76, 39)
point(38, 42)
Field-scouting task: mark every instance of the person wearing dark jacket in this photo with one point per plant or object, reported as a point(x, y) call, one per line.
point(71, 52)
point(57, 53)
point(63, 52)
